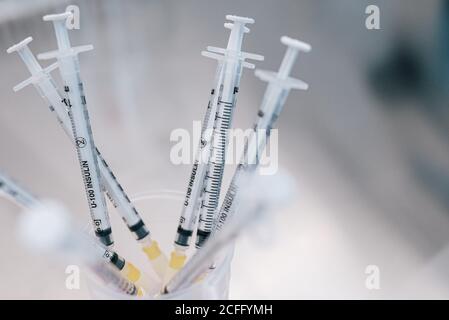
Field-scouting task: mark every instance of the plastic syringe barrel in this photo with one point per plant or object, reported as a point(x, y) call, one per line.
point(272, 104)
point(114, 191)
point(249, 162)
point(233, 63)
point(87, 157)
point(215, 168)
point(47, 88)
point(189, 212)
point(81, 128)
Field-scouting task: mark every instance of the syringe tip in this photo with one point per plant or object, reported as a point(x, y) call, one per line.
point(58, 16)
point(19, 45)
point(302, 46)
point(239, 19)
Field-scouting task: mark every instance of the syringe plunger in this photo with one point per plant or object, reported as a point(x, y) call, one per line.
point(238, 28)
point(37, 72)
point(25, 53)
point(59, 23)
point(282, 78)
point(62, 37)
point(233, 48)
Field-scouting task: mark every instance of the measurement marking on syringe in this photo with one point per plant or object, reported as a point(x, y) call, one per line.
point(44, 83)
point(207, 143)
point(274, 99)
point(81, 129)
point(225, 103)
point(233, 65)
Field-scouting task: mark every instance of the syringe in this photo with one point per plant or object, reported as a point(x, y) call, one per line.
point(82, 132)
point(233, 63)
point(126, 268)
point(273, 102)
point(262, 194)
point(47, 228)
point(24, 198)
point(44, 84)
point(46, 87)
point(195, 185)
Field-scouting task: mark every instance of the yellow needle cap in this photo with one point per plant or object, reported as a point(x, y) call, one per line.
point(152, 251)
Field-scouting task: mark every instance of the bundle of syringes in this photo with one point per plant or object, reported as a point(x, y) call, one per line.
point(202, 218)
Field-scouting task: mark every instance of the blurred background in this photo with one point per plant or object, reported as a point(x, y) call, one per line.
point(367, 143)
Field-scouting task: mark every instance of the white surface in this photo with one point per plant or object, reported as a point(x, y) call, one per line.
point(359, 203)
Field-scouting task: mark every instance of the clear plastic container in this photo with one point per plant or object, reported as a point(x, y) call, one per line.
point(160, 211)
